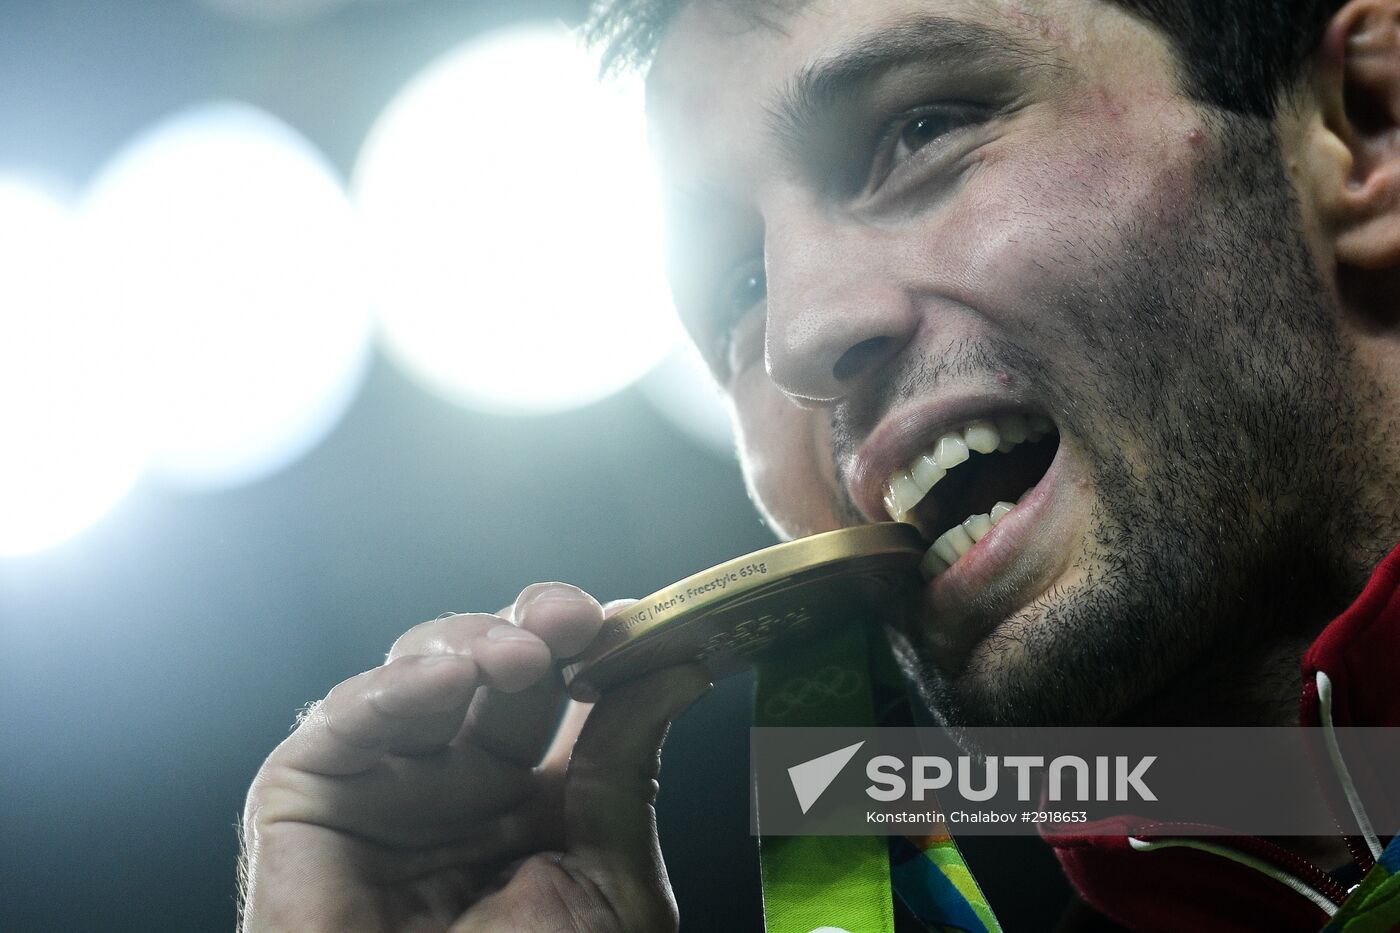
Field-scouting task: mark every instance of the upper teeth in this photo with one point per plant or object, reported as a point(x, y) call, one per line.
point(908, 487)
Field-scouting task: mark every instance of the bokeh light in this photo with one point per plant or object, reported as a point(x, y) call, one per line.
point(230, 249)
point(682, 389)
point(514, 224)
point(69, 451)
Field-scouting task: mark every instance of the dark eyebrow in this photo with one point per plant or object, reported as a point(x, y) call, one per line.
point(955, 45)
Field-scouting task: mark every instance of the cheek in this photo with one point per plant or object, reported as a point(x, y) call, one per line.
point(785, 454)
point(1035, 218)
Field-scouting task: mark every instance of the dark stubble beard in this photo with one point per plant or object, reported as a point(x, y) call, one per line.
point(1207, 340)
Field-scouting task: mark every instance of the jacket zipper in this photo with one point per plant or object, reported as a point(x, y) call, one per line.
point(1290, 862)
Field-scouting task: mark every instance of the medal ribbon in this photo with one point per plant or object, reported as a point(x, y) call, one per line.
point(846, 883)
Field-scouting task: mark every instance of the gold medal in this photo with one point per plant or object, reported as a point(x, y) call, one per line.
point(754, 604)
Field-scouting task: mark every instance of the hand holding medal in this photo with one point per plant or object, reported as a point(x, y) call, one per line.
point(801, 614)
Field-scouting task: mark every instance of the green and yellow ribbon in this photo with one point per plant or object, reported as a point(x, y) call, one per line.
point(848, 883)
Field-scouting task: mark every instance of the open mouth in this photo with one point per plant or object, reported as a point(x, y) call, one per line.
point(968, 480)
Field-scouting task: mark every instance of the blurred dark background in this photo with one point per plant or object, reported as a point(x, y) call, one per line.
point(148, 664)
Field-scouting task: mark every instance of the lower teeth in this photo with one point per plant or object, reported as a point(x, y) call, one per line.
point(958, 540)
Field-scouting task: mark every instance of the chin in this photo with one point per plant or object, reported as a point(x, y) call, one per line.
point(1046, 665)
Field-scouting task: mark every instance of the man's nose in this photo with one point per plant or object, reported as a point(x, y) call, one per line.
point(835, 317)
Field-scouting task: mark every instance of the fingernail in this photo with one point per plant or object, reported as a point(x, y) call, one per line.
point(614, 606)
point(544, 599)
point(549, 593)
point(508, 633)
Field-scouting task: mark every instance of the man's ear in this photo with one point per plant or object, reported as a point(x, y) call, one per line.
point(1358, 152)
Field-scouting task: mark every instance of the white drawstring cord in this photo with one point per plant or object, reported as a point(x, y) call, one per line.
point(1329, 732)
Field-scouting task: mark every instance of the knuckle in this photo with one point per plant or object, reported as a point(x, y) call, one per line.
point(288, 798)
point(347, 691)
point(345, 716)
point(404, 642)
point(269, 794)
point(447, 634)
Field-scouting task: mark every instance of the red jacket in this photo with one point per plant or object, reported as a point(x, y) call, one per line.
point(1149, 880)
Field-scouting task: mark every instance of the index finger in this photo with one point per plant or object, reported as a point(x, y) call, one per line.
point(410, 700)
point(562, 615)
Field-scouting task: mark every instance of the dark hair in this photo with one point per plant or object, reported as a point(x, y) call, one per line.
point(1240, 55)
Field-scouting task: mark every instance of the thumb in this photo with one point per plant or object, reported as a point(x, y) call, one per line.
point(611, 784)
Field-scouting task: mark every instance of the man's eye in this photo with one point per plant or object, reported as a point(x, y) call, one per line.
point(916, 132)
point(743, 291)
point(748, 288)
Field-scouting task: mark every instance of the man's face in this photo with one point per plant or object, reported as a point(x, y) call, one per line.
point(903, 229)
